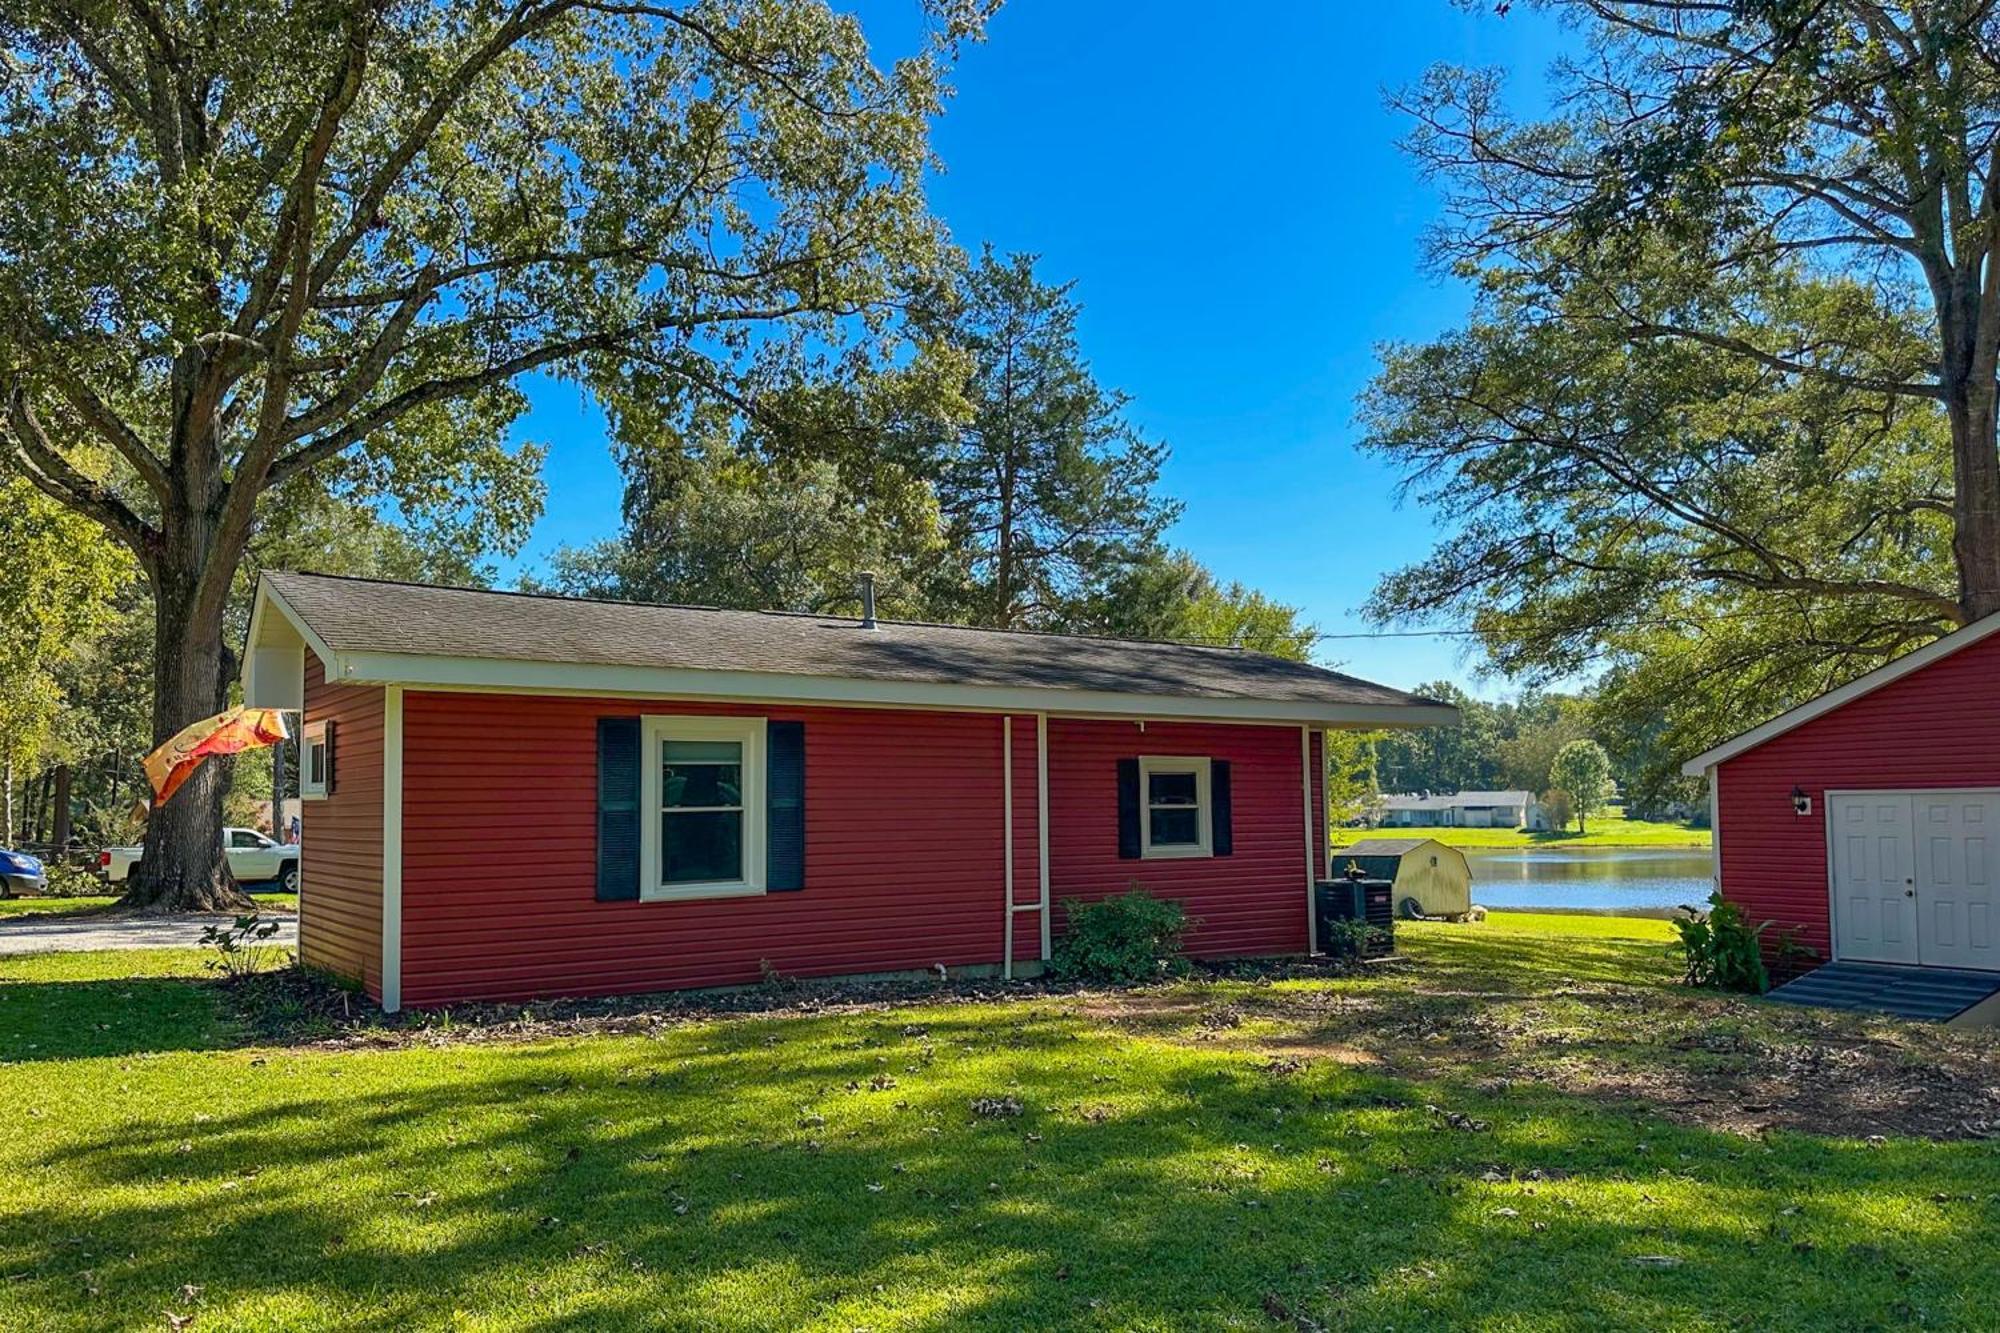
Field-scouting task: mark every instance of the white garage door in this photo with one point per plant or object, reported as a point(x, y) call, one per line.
point(1916, 875)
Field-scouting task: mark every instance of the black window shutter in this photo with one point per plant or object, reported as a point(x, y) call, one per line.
point(1220, 837)
point(1128, 809)
point(618, 767)
point(327, 762)
point(785, 801)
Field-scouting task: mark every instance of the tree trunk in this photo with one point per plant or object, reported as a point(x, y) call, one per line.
point(183, 868)
point(40, 814)
point(278, 792)
point(59, 834)
point(1976, 502)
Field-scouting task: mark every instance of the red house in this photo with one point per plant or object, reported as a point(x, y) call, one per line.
point(509, 795)
point(1869, 818)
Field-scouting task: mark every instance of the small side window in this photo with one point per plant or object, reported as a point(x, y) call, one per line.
point(316, 761)
point(1175, 809)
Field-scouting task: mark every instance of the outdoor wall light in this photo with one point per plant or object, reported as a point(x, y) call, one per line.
point(1801, 803)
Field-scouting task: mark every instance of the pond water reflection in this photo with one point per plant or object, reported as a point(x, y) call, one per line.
point(1598, 877)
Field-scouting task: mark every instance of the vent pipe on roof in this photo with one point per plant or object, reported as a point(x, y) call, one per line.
point(867, 582)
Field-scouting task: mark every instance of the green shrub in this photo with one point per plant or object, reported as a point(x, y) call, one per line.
point(1721, 949)
point(242, 948)
point(72, 879)
point(1131, 938)
point(1347, 938)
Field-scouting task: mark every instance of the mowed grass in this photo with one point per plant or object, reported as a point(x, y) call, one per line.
point(1209, 1155)
point(16, 907)
point(1609, 829)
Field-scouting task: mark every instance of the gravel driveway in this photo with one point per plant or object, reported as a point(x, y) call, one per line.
point(120, 932)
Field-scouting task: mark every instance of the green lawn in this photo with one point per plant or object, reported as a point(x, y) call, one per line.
point(1523, 1125)
point(1610, 829)
point(18, 907)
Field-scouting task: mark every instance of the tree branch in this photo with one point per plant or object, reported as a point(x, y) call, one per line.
point(318, 451)
point(54, 476)
point(1744, 347)
point(113, 428)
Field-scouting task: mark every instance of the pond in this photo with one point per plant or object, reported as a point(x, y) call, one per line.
point(1595, 877)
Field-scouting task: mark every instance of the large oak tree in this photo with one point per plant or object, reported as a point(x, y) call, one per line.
point(1722, 421)
point(1844, 138)
point(245, 247)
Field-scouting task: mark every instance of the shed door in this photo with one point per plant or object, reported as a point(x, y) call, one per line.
point(1874, 877)
point(1958, 865)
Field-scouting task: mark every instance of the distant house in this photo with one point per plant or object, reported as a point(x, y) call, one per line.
point(509, 796)
point(1466, 809)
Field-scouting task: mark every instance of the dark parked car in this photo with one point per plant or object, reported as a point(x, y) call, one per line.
point(21, 873)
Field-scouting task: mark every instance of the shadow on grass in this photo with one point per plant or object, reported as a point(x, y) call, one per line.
point(70, 1020)
point(776, 1173)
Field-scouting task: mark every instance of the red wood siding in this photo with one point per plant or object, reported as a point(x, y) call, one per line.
point(904, 849)
point(340, 838)
point(1253, 902)
point(1936, 727)
point(903, 855)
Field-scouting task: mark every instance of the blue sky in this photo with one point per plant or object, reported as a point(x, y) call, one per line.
point(1224, 186)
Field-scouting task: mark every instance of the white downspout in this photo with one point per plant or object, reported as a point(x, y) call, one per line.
point(1306, 777)
point(1007, 841)
point(1042, 819)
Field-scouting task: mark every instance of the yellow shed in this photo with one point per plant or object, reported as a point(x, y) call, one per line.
point(1429, 876)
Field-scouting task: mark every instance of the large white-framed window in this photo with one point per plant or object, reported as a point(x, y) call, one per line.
point(1176, 817)
point(701, 797)
point(316, 761)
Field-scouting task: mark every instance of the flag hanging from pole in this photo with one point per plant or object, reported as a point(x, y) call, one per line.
point(228, 732)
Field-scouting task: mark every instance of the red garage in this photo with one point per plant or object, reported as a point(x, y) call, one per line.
point(1870, 817)
point(509, 795)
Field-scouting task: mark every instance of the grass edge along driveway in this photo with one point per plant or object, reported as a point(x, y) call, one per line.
point(1236, 1154)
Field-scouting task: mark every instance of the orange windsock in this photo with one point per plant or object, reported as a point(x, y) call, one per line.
point(226, 733)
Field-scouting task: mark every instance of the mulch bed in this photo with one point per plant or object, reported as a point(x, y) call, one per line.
point(1698, 1059)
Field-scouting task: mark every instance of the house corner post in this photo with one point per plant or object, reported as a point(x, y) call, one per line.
point(392, 848)
point(1306, 801)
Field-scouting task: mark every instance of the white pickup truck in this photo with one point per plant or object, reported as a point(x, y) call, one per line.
point(253, 859)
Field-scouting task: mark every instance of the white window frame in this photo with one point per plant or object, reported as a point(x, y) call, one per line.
point(1204, 806)
point(312, 737)
point(749, 732)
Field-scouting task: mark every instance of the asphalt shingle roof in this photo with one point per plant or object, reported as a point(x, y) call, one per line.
point(368, 616)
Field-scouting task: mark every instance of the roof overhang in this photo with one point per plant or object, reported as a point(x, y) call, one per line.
point(1888, 674)
point(274, 671)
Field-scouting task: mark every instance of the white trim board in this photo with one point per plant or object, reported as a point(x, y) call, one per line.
point(1934, 651)
point(392, 849)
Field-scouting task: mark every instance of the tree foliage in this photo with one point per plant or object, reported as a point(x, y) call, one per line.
point(1041, 479)
point(742, 534)
point(1719, 145)
point(57, 580)
point(1722, 421)
point(322, 248)
point(1168, 594)
point(1582, 772)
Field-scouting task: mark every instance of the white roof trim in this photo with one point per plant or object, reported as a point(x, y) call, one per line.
point(516, 676)
point(1934, 651)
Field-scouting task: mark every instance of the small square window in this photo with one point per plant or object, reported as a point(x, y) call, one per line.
point(704, 787)
point(1178, 819)
point(316, 761)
